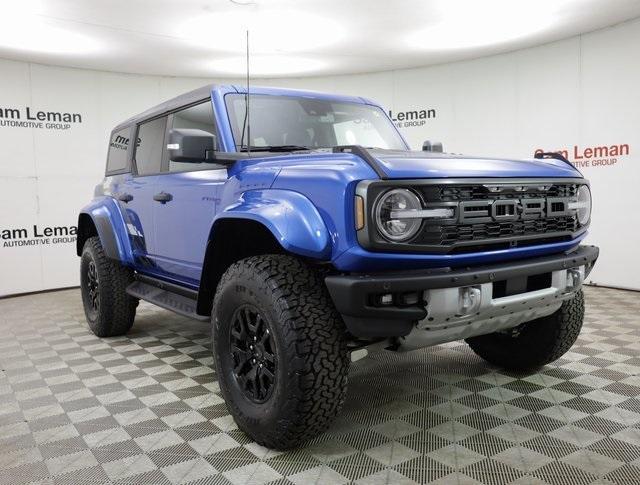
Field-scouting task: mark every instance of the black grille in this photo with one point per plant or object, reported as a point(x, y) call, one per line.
point(450, 234)
point(459, 193)
point(442, 235)
point(487, 214)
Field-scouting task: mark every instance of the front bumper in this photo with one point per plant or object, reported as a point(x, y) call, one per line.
point(357, 296)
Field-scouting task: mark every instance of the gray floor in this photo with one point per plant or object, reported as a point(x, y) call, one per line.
point(146, 409)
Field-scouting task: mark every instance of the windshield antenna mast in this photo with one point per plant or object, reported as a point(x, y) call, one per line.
point(248, 115)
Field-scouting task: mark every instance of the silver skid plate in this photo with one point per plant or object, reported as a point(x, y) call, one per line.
point(444, 324)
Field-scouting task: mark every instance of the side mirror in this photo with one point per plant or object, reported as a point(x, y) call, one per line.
point(190, 145)
point(432, 146)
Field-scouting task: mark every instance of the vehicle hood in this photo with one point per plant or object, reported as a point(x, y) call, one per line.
point(415, 164)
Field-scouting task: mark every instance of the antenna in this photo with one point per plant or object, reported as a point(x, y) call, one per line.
point(246, 124)
point(248, 116)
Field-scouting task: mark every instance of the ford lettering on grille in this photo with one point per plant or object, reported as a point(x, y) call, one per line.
point(482, 211)
point(487, 214)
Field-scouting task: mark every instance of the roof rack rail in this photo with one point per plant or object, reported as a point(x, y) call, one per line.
point(363, 153)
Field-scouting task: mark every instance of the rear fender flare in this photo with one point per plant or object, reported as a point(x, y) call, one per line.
point(111, 228)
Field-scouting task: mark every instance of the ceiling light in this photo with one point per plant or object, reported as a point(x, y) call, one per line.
point(267, 65)
point(465, 24)
point(270, 31)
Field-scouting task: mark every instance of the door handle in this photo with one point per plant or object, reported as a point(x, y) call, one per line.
point(163, 197)
point(124, 197)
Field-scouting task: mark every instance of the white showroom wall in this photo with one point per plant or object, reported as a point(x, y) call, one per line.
point(580, 92)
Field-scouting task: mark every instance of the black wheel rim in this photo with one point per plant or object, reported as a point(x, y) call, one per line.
point(253, 354)
point(93, 286)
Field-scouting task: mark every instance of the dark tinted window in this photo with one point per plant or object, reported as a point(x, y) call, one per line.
point(198, 117)
point(118, 146)
point(149, 146)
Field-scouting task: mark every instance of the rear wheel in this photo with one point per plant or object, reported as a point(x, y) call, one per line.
point(109, 310)
point(280, 350)
point(535, 343)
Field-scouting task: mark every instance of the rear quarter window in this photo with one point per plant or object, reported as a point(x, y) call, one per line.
point(118, 150)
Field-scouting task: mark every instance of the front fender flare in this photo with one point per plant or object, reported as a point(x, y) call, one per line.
point(292, 218)
point(111, 228)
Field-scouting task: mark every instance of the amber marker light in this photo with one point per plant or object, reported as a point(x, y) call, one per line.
point(359, 212)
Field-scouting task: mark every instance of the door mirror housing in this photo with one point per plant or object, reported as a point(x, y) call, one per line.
point(432, 146)
point(188, 145)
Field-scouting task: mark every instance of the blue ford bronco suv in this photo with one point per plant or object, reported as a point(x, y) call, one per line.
point(309, 234)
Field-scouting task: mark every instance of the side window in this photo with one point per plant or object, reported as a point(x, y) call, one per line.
point(192, 139)
point(149, 146)
point(118, 147)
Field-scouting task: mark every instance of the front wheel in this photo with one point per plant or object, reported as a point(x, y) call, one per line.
point(535, 343)
point(280, 350)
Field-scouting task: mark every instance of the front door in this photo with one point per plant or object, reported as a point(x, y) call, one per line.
point(192, 187)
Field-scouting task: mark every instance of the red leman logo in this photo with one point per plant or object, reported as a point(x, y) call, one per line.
point(593, 156)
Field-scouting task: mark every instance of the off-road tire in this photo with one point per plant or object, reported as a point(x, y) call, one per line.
point(310, 349)
point(116, 309)
point(535, 343)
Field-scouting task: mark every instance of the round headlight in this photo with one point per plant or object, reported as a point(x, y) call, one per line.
point(583, 205)
point(392, 223)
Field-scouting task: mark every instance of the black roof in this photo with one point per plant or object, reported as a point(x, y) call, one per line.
point(172, 104)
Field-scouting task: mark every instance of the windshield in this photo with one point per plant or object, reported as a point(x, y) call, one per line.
point(297, 122)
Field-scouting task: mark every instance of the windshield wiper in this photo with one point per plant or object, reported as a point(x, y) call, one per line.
point(274, 148)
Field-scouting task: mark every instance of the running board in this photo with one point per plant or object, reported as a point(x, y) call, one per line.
point(169, 300)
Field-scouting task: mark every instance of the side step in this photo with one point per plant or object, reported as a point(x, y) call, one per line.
point(169, 300)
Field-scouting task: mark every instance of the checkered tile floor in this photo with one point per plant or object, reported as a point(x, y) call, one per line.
point(146, 408)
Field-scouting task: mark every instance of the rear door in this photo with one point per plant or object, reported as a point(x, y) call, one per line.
point(136, 194)
point(182, 223)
